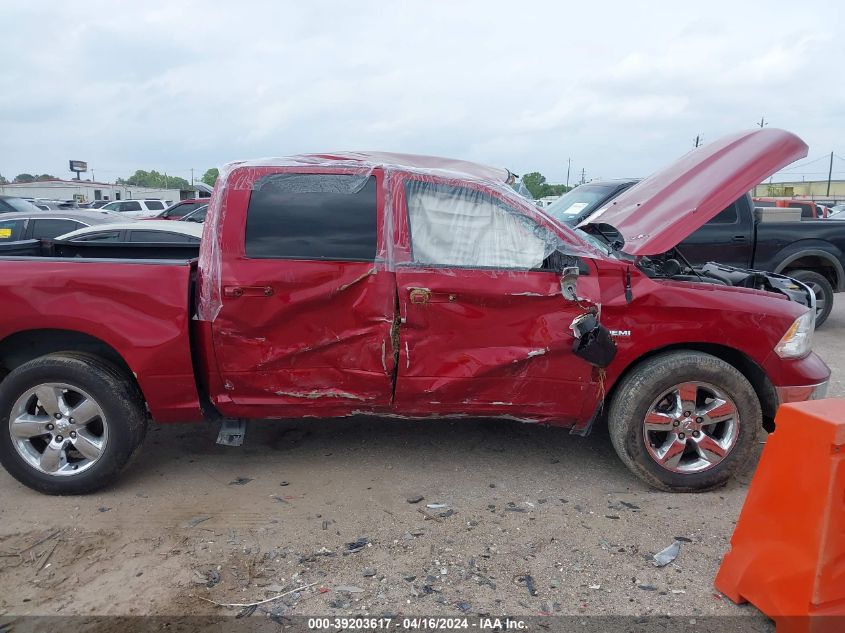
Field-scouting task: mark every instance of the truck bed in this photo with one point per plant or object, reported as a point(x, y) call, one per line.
point(133, 309)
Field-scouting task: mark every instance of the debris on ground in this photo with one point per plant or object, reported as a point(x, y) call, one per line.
point(195, 521)
point(666, 556)
point(529, 583)
point(437, 506)
point(357, 545)
point(348, 589)
point(368, 572)
point(415, 498)
point(240, 481)
point(257, 603)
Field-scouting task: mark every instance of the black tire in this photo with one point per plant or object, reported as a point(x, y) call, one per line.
point(652, 378)
point(117, 396)
point(821, 286)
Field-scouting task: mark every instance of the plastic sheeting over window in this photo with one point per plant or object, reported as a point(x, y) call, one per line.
point(459, 226)
point(498, 228)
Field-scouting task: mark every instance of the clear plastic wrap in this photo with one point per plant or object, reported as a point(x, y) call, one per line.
point(495, 226)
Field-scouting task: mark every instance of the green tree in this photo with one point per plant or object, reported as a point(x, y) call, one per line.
point(155, 180)
point(210, 176)
point(24, 178)
point(534, 183)
point(43, 177)
point(3, 181)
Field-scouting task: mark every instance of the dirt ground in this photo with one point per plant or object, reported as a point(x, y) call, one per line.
point(540, 522)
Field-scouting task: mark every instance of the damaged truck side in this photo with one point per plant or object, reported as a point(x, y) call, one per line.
point(340, 284)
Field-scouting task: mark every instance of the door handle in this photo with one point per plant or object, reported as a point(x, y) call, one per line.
point(424, 295)
point(247, 291)
point(739, 239)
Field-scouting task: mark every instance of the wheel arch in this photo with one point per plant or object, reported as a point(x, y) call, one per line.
point(817, 260)
point(743, 363)
point(23, 346)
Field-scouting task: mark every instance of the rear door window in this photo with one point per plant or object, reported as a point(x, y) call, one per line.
point(132, 205)
point(155, 205)
point(47, 229)
point(101, 236)
point(160, 236)
point(313, 216)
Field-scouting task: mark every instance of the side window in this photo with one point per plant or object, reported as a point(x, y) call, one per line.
point(131, 205)
point(727, 215)
point(11, 230)
point(154, 205)
point(103, 236)
point(312, 216)
point(457, 226)
point(48, 229)
point(158, 237)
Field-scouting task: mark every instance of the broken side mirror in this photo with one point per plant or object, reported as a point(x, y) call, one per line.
point(569, 283)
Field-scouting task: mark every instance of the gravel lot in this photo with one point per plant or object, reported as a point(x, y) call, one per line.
point(542, 522)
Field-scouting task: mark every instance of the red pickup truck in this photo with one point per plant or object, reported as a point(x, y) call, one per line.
point(341, 284)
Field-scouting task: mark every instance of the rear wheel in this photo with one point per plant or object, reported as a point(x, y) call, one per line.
point(69, 423)
point(684, 421)
point(821, 287)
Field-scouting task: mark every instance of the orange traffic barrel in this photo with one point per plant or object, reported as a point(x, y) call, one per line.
point(787, 554)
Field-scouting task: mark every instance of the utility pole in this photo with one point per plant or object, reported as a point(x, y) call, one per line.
point(762, 122)
point(697, 140)
point(192, 176)
point(568, 165)
point(583, 175)
point(829, 173)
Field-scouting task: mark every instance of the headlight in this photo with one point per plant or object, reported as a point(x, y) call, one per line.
point(798, 338)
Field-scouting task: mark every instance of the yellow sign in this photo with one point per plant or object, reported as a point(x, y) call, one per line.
point(5, 233)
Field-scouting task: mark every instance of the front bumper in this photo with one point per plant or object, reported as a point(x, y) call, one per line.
point(802, 393)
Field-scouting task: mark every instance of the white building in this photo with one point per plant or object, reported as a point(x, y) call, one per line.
point(88, 191)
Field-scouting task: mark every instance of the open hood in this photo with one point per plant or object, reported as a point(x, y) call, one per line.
point(661, 211)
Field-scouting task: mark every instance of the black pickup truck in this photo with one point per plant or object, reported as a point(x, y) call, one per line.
point(811, 251)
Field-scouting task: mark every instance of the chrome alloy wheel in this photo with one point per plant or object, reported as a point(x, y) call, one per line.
point(691, 427)
point(58, 429)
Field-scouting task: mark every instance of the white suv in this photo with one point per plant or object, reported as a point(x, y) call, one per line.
point(136, 208)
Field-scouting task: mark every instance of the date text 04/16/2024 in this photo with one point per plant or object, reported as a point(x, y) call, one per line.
point(415, 623)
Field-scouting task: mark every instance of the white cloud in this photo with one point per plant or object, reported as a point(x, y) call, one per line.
point(619, 87)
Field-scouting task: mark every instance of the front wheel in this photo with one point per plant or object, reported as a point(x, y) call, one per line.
point(69, 423)
point(684, 421)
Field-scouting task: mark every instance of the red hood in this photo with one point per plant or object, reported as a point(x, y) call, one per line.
point(661, 211)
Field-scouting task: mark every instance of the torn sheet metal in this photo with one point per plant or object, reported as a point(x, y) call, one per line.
point(464, 302)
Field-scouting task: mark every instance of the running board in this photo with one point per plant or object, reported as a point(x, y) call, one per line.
point(232, 432)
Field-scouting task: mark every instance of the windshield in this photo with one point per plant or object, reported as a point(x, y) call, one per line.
point(20, 205)
point(577, 204)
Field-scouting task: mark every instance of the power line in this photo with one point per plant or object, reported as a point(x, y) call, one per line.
point(800, 165)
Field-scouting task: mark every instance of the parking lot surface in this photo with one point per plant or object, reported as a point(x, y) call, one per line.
point(533, 521)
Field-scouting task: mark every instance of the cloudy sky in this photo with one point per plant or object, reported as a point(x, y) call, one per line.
point(618, 87)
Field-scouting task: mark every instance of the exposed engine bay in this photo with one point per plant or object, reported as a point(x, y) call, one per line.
point(673, 265)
